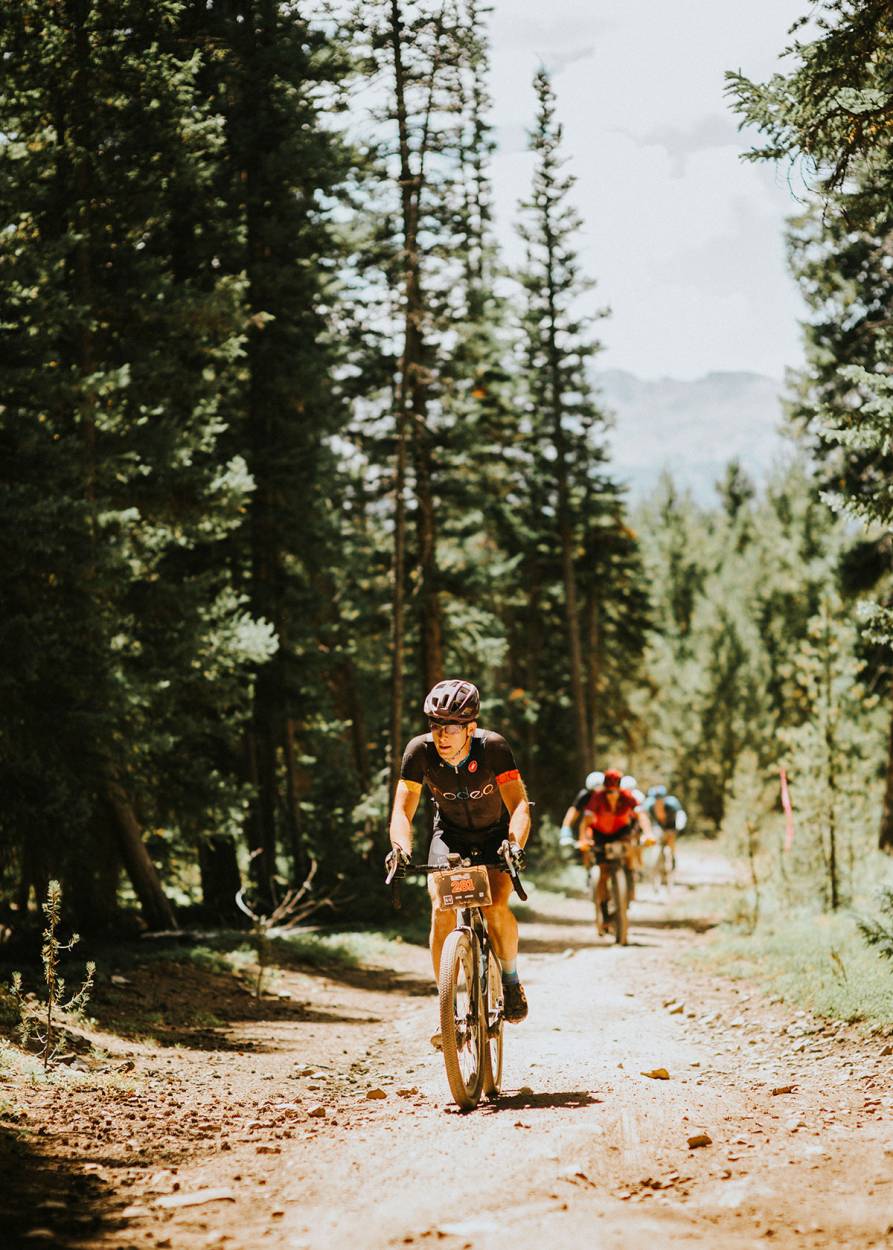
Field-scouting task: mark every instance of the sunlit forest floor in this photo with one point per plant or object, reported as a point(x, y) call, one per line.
point(190, 1113)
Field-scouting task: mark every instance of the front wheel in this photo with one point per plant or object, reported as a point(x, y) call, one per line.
point(461, 1025)
point(619, 902)
point(494, 1026)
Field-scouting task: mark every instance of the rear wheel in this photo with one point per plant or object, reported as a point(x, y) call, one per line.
point(617, 891)
point(666, 864)
point(493, 1041)
point(461, 1026)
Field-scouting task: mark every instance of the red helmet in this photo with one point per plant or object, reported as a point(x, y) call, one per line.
point(612, 779)
point(454, 701)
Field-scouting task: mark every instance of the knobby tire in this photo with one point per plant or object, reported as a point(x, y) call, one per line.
point(461, 1024)
point(493, 1043)
point(618, 891)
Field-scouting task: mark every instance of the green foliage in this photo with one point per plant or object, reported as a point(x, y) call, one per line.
point(734, 589)
point(812, 961)
point(831, 757)
point(878, 932)
point(46, 1023)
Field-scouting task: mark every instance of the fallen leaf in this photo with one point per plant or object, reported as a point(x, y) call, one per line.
point(783, 1089)
point(375, 1093)
point(195, 1199)
point(699, 1139)
point(269, 1150)
point(407, 1093)
point(658, 1074)
point(317, 1113)
point(525, 1090)
point(677, 1010)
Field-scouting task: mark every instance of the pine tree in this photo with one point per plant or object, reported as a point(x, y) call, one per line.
point(563, 418)
point(832, 112)
point(113, 365)
point(271, 75)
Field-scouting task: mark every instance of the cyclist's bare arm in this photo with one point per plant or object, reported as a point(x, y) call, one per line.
point(586, 831)
point(406, 801)
point(514, 796)
point(570, 817)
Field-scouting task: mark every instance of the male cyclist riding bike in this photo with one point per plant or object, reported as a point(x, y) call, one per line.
point(566, 836)
point(479, 802)
point(610, 815)
point(667, 817)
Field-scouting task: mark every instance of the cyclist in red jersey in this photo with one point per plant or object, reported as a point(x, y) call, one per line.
point(479, 802)
point(609, 816)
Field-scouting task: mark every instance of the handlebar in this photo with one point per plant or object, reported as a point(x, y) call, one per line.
point(504, 854)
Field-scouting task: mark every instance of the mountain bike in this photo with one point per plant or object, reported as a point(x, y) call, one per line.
point(658, 859)
point(470, 980)
point(611, 859)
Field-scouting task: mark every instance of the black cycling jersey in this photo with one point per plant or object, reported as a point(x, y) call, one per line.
point(581, 800)
point(467, 802)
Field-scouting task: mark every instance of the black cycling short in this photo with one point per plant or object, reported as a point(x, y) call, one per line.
point(601, 838)
point(480, 849)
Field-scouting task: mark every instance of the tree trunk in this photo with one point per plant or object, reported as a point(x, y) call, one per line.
point(299, 856)
point(593, 666)
point(221, 879)
point(565, 524)
point(429, 595)
point(260, 26)
point(398, 602)
point(885, 840)
point(412, 401)
point(261, 824)
point(143, 874)
point(571, 609)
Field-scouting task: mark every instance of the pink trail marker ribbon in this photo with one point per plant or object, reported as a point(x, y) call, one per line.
point(788, 811)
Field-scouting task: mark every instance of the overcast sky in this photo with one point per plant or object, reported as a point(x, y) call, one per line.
point(684, 239)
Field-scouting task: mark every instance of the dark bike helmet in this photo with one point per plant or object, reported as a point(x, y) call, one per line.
point(612, 779)
point(456, 701)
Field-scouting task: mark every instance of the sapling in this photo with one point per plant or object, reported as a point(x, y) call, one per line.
point(42, 1025)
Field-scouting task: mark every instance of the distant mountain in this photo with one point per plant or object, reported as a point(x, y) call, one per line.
point(692, 428)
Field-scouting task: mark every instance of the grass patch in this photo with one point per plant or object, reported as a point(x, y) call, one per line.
point(809, 960)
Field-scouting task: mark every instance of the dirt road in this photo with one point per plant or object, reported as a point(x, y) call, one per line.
point(581, 1145)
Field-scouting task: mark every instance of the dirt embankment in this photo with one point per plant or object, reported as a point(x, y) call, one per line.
point(323, 1120)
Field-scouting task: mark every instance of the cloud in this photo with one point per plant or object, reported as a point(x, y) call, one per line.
point(555, 62)
point(711, 131)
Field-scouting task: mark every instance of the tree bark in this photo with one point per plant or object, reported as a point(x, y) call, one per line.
point(885, 839)
point(566, 540)
point(593, 665)
point(412, 402)
point(221, 879)
point(299, 856)
point(143, 874)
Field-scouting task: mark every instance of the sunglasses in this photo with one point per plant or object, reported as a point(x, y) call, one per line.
point(449, 728)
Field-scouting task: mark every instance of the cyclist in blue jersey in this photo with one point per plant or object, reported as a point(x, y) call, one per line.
point(667, 817)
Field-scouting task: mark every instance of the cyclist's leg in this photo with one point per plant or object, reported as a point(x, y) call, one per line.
point(503, 929)
point(501, 923)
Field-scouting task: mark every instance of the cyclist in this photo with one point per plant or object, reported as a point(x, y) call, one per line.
point(667, 816)
point(479, 802)
point(610, 815)
point(566, 835)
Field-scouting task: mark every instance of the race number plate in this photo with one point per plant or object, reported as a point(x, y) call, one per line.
point(462, 887)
